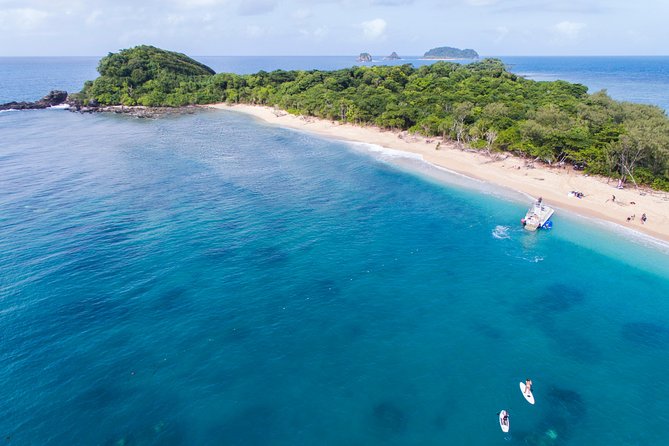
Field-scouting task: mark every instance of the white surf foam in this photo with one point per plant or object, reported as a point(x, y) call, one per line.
point(385, 151)
point(501, 232)
point(59, 107)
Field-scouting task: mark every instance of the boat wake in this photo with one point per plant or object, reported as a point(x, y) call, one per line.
point(501, 232)
point(535, 259)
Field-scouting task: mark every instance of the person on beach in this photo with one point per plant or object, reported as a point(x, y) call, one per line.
point(528, 386)
point(643, 218)
point(613, 198)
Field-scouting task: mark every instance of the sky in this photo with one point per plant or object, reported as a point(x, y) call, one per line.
point(334, 27)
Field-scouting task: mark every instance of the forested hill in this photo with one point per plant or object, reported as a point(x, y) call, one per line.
point(447, 52)
point(481, 105)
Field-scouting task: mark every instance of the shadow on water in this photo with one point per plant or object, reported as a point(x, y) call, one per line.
point(251, 426)
point(389, 419)
point(648, 334)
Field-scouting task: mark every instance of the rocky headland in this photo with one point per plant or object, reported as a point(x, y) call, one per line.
point(59, 98)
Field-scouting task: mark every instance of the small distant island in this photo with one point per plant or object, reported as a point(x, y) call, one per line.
point(364, 57)
point(447, 52)
point(393, 56)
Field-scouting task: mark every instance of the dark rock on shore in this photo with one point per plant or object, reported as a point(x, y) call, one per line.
point(56, 97)
point(137, 111)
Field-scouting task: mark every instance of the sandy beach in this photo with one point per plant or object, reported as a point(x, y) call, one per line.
point(601, 198)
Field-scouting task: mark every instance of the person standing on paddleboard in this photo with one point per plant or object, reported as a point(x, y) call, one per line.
point(528, 386)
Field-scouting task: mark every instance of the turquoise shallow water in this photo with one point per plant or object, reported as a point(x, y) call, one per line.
point(207, 279)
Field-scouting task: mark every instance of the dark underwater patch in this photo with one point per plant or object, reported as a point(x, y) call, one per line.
point(253, 426)
point(487, 330)
point(389, 418)
point(163, 433)
point(111, 233)
point(321, 290)
point(567, 410)
point(559, 297)
point(220, 254)
point(648, 334)
point(99, 396)
point(573, 344)
point(566, 402)
point(172, 299)
point(270, 255)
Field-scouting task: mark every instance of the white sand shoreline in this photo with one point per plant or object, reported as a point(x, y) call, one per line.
point(553, 184)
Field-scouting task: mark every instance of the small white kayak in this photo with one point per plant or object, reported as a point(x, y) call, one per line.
point(504, 423)
point(528, 395)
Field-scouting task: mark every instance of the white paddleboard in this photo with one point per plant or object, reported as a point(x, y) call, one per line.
point(505, 427)
point(528, 395)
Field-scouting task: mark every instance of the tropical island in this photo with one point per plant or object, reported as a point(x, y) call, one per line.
point(480, 105)
point(447, 52)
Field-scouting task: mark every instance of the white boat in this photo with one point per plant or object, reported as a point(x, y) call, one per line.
point(538, 216)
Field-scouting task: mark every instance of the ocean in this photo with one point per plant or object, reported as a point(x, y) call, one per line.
point(209, 279)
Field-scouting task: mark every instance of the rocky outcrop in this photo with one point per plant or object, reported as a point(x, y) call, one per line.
point(393, 56)
point(137, 111)
point(56, 97)
point(364, 57)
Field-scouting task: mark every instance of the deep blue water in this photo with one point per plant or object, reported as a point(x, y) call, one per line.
point(208, 279)
point(643, 79)
point(31, 78)
point(635, 79)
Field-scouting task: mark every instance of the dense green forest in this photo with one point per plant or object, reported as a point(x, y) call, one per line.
point(447, 52)
point(479, 105)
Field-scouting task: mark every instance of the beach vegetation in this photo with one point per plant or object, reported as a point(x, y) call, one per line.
point(479, 105)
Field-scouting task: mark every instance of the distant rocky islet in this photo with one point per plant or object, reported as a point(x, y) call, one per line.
point(442, 52)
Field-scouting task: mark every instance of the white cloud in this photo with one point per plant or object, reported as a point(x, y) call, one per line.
point(302, 14)
point(373, 29)
point(22, 18)
point(569, 30)
point(481, 2)
point(256, 7)
point(197, 3)
point(254, 31)
point(175, 19)
point(92, 18)
point(391, 2)
point(317, 33)
point(502, 32)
